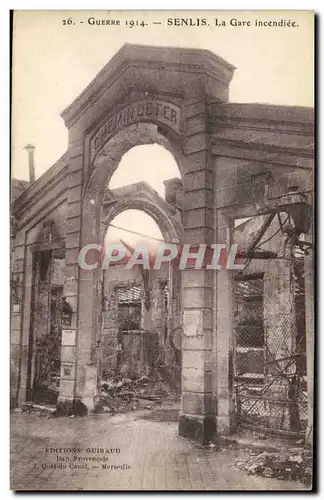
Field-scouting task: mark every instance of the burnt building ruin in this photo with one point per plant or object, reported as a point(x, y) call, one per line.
point(243, 352)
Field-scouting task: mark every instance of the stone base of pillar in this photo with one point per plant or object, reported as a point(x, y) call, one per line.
point(226, 425)
point(90, 394)
point(199, 428)
point(66, 407)
point(79, 397)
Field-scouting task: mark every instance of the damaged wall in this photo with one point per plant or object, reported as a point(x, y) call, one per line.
point(135, 351)
point(36, 216)
point(219, 147)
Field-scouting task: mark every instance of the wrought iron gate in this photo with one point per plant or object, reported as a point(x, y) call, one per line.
point(270, 383)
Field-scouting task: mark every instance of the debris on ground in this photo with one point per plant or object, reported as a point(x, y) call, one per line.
point(119, 395)
point(280, 465)
point(162, 414)
point(37, 409)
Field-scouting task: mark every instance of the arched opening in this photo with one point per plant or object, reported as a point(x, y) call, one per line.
point(141, 320)
point(44, 361)
point(102, 202)
point(127, 151)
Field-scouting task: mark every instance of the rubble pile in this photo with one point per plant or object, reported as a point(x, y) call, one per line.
point(119, 395)
point(36, 409)
point(279, 465)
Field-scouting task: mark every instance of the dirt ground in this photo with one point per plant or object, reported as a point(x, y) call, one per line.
point(65, 453)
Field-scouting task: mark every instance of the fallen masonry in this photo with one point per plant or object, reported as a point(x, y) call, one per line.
point(119, 395)
point(280, 465)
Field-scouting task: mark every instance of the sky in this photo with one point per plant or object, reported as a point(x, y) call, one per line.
point(136, 222)
point(165, 167)
point(53, 63)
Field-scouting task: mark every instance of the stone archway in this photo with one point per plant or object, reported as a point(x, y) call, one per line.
point(103, 166)
point(170, 227)
point(161, 289)
point(144, 96)
point(137, 340)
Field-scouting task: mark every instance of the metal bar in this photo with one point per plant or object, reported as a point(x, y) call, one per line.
point(262, 254)
point(248, 277)
point(269, 384)
point(272, 400)
point(260, 233)
point(307, 244)
point(266, 254)
point(285, 358)
point(261, 365)
point(268, 430)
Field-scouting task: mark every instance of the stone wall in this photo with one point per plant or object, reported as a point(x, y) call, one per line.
point(32, 209)
point(138, 350)
point(220, 147)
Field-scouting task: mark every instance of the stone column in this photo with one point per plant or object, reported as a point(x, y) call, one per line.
point(226, 197)
point(173, 341)
point(109, 340)
point(78, 375)
point(22, 274)
point(197, 417)
point(223, 337)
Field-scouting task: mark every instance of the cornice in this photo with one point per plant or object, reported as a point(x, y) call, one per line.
point(261, 146)
point(20, 210)
point(143, 57)
point(268, 113)
point(289, 157)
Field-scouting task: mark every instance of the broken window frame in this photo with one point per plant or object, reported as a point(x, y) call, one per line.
point(132, 300)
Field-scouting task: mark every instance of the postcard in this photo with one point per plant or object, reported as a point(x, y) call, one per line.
point(162, 250)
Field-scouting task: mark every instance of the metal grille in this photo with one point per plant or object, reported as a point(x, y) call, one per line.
point(270, 375)
point(129, 308)
point(248, 311)
point(129, 295)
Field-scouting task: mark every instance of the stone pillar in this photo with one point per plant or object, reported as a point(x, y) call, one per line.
point(174, 192)
point(223, 337)
point(19, 334)
point(197, 417)
point(174, 339)
point(78, 372)
point(109, 340)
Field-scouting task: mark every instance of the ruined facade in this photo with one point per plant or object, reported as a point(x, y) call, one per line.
point(235, 162)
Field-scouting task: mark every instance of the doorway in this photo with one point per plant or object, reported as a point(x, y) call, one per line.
point(47, 326)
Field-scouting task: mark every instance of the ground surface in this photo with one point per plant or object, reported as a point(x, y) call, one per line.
point(152, 456)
